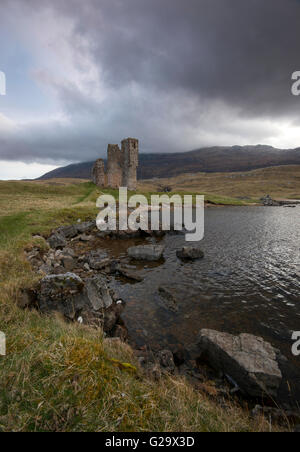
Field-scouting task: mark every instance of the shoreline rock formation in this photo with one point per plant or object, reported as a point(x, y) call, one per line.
point(121, 166)
point(249, 360)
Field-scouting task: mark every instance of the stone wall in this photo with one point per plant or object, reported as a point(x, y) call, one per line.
point(98, 173)
point(121, 166)
point(114, 166)
point(130, 150)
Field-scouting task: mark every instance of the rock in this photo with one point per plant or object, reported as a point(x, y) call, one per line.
point(248, 360)
point(268, 201)
point(44, 269)
point(146, 252)
point(58, 270)
point(129, 274)
point(66, 252)
point(166, 360)
point(58, 253)
point(190, 253)
point(85, 238)
point(86, 267)
point(57, 240)
point(121, 332)
point(86, 227)
point(169, 299)
point(97, 293)
point(68, 262)
point(33, 254)
point(97, 260)
point(179, 356)
point(68, 231)
point(69, 295)
point(61, 293)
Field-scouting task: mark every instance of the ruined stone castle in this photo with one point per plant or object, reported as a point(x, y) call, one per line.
point(121, 166)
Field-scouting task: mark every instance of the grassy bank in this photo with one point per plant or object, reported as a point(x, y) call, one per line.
point(65, 377)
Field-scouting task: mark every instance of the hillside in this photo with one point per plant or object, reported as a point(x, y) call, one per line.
point(207, 160)
point(281, 182)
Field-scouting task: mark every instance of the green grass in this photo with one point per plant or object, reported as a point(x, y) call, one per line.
point(67, 377)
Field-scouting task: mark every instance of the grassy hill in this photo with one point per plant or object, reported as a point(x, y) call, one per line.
point(214, 159)
point(281, 182)
point(67, 377)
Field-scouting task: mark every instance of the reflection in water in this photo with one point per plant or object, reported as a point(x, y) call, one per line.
point(247, 282)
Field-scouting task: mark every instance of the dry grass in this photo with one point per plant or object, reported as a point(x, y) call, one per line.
point(281, 182)
point(67, 377)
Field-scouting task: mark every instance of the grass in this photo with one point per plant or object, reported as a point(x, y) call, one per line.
point(281, 182)
point(67, 377)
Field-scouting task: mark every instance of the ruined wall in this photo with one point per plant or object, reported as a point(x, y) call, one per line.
point(121, 166)
point(98, 174)
point(130, 150)
point(114, 166)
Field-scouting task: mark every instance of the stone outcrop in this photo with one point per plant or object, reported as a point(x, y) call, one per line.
point(248, 360)
point(121, 166)
point(88, 301)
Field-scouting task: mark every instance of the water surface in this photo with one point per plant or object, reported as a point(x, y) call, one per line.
point(248, 282)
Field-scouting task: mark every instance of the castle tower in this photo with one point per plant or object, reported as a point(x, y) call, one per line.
point(114, 166)
point(98, 174)
point(130, 151)
point(121, 166)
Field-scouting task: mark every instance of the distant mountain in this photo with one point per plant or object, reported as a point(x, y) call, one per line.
point(207, 160)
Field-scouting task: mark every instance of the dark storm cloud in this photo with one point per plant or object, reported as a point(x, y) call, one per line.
point(180, 73)
point(242, 52)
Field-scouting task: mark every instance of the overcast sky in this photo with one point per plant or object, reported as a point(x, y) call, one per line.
point(177, 74)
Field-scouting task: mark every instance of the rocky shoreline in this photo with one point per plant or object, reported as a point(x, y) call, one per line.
point(75, 281)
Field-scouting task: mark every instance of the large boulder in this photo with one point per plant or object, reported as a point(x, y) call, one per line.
point(89, 302)
point(61, 293)
point(248, 360)
point(97, 293)
point(146, 252)
point(190, 253)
